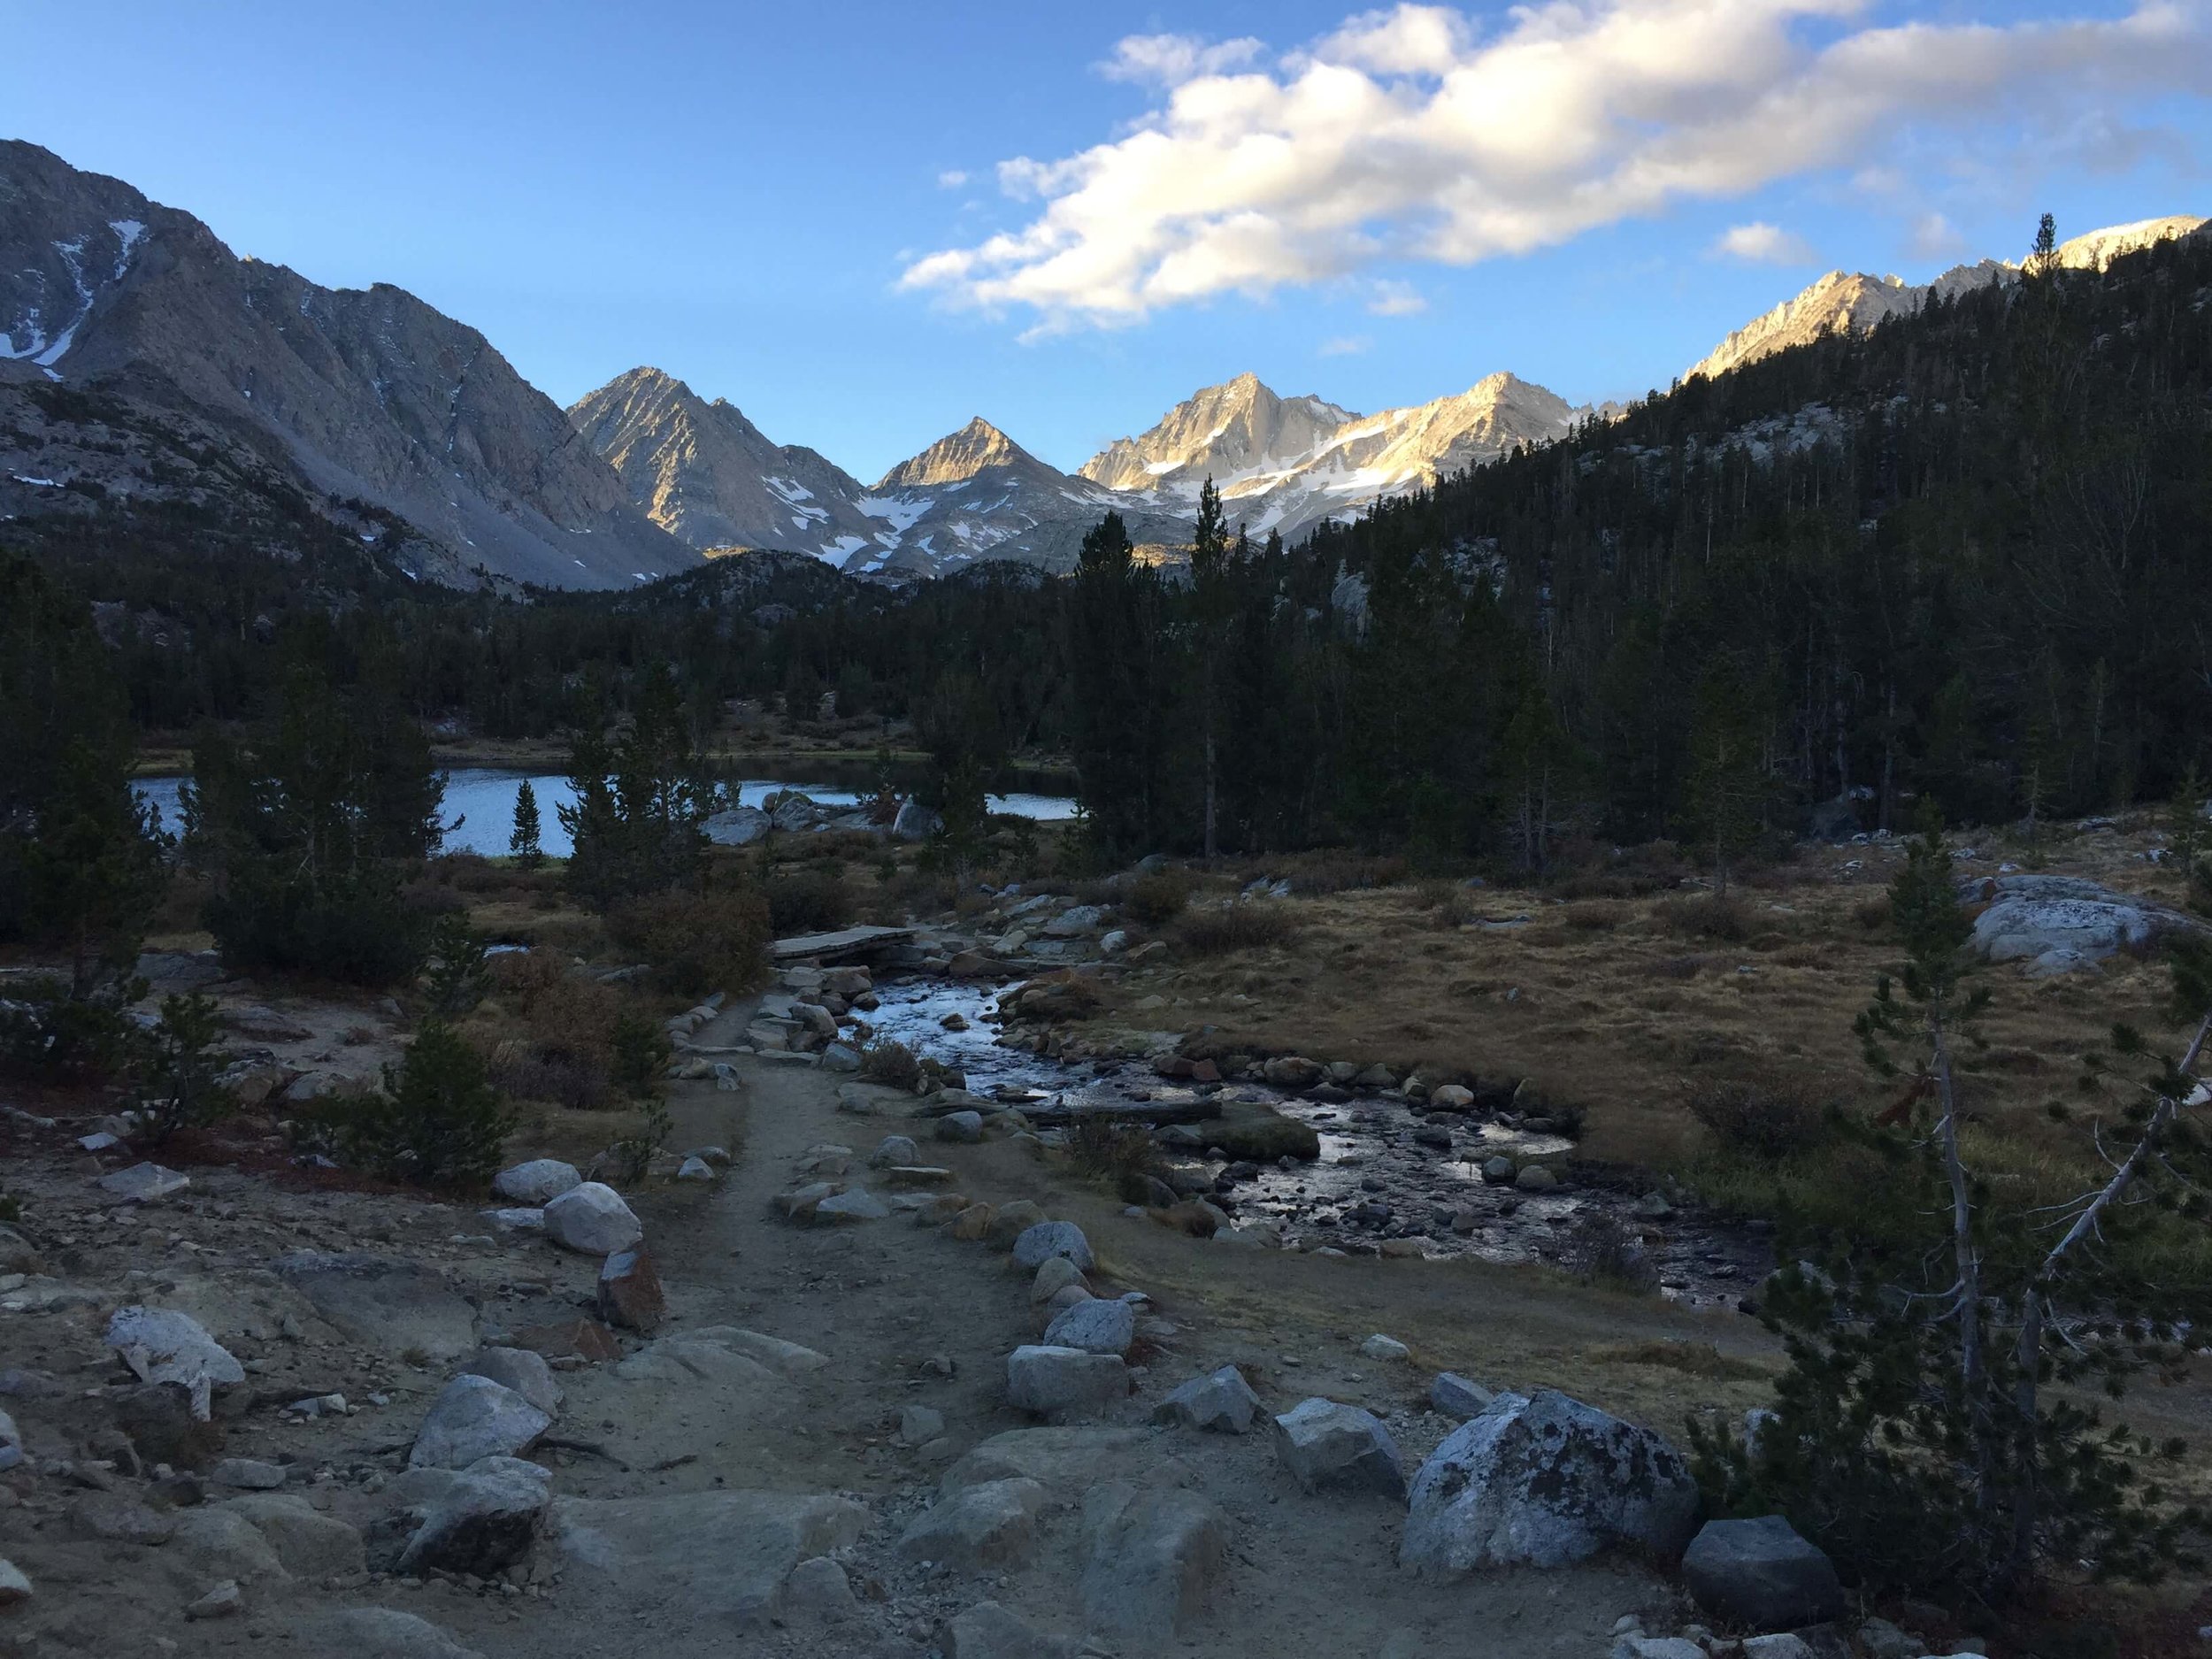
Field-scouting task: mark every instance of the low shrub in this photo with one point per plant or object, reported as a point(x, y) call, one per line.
point(1118, 1153)
point(1603, 1251)
point(807, 902)
point(890, 1062)
point(1156, 900)
point(1252, 926)
point(697, 943)
point(1768, 1119)
point(1720, 915)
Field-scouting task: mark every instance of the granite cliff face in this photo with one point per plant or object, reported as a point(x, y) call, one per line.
point(362, 395)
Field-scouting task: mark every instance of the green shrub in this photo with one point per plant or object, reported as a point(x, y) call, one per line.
point(182, 1089)
point(1157, 899)
point(437, 1122)
point(458, 975)
point(47, 1032)
point(641, 1051)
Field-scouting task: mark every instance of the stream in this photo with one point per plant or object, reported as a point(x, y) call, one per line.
point(1373, 1181)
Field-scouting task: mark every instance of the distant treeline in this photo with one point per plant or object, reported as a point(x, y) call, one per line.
point(1969, 557)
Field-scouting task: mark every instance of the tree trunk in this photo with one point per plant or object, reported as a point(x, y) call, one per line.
point(1973, 1371)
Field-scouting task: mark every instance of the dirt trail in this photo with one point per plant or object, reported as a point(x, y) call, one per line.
point(904, 1314)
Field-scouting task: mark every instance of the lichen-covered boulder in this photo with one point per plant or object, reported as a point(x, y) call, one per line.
point(1546, 1481)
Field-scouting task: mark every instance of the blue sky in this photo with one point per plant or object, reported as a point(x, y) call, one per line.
point(767, 201)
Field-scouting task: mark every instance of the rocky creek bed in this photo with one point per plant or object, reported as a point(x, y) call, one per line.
point(1382, 1174)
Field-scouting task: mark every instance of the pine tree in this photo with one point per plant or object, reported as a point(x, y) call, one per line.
point(1912, 1435)
point(1214, 602)
point(523, 842)
point(1727, 780)
point(81, 862)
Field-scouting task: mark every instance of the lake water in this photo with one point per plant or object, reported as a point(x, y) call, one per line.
point(482, 799)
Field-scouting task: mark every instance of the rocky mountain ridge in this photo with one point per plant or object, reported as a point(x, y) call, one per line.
point(363, 396)
point(1855, 301)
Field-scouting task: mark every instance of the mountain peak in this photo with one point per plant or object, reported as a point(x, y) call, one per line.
point(956, 457)
point(1224, 431)
point(1849, 302)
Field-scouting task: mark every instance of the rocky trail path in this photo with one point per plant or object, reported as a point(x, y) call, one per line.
point(815, 1451)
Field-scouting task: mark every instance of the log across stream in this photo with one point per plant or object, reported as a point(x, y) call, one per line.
point(1373, 1181)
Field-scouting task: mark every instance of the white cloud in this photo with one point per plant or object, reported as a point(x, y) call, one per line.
point(1396, 299)
point(1935, 237)
point(1761, 243)
point(951, 179)
point(1343, 346)
point(1413, 134)
point(1171, 59)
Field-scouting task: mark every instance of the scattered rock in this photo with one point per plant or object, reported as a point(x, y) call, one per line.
point(1221, 1401)
point(1076, 922)
point(1384, 1348)
point(113, 1519)
point(537, 1182)
point(1324, 1444)
point(219, 1541)
point(919, 1424)
point(630, 1291)
point(474, 1418)
point(2061, 924)
point(247, 1474)
point(1011, 1221)
point(1535, 1177)
point(1035, 1245)
point(988, 1631)
point(162, 1345)
point(1151, 1555)
point(307, 1543)
point(570, 1340)
point(973, 1222)
point(988, 1525)
point(1451, 1097)
point(894, 1151)
point(1498, 1171)
point(840, 1056)
point(1058, 1382)
point(1095, 1327)
point(222, 1602)
point(592, 1218)
point(817, 1588)
point(1547, 1481)
point(144, 1184)
point(384, 1301)
point(859, 1204)
point(522, 1369)
point(482, 1520)
point(1054, 1274)
point(1760, 1573)
point(723, 1558)
point(1454, 1396)
point(960, 1126)
point(14, 1586)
